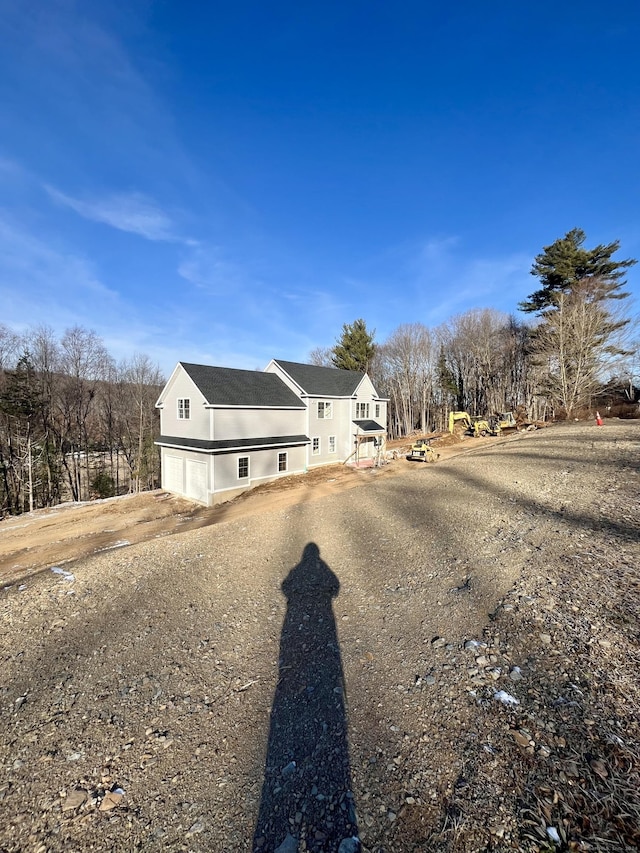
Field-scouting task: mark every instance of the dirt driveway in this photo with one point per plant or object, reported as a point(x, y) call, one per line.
point(55, 537)
point(444, 658)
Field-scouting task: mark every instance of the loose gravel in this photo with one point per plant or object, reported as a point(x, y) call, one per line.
point(446, 659)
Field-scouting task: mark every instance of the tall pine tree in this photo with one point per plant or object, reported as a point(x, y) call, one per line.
point(566, 265)
point(354, 349)
point(581, 316)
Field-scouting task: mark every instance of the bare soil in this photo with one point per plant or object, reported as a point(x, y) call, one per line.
point(424, 657)
point(54, 537)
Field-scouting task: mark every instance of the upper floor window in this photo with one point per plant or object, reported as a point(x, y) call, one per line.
point(332, 444)
point(184, 408)
point(362, 410)
point(377, 410)
point(325, 410)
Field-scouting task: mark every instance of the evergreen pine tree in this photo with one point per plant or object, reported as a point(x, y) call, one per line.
point(354, 349)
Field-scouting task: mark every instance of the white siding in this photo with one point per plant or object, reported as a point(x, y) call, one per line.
point(263, 466)
point(257, 423)
point(365, 390)
point(339, 425)
point(197, 426)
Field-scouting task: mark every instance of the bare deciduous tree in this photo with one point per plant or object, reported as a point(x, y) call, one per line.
point(321, 357)
point(405, 367)
point(142, 382)
point(577, 341)
point(84, 361)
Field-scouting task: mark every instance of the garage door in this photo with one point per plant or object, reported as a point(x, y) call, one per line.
point(197, 481)
point(172, 479)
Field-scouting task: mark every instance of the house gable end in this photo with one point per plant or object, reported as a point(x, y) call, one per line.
point(179, 375)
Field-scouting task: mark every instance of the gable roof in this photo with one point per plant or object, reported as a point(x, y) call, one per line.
point(322, 381)
point(226, 386)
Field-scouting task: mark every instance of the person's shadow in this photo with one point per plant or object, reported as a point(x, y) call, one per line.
point(306, 793)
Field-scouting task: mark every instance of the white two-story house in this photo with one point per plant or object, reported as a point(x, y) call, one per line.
point(225, 430)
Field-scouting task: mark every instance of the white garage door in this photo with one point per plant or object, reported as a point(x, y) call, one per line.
point(173, 474)
point(196, 481)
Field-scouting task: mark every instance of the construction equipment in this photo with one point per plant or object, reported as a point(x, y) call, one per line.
point(507, 422)
point(422, 450)
point(476, 426)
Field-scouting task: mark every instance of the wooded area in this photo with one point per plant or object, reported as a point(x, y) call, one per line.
point(477, 362)
point(579, 351)
point(74, 425)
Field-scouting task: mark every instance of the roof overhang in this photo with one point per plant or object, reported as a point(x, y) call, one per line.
point(248, 406)
point(230, 445)
point(368, 427)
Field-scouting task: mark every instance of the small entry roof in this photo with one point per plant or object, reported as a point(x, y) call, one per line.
point(369, 426)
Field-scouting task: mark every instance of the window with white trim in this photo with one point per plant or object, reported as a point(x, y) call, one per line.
point(315, 446)
point(332, 444)
point(243, 467)
point(282, 461)
point(377, 410)
point(325, 410)
point(184, 408)
point(362, 410)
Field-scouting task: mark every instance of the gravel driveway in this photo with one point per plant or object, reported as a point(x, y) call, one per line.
point(332, 670)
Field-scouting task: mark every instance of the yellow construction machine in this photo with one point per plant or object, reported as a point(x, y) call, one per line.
point(507, 422)
point(476, 426)
point(422, 450)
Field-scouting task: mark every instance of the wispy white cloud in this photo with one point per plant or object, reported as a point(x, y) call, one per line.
point(429, 281)
point(39, 283)
point(459, 282)
point(131, 212)
point(437, 250)
point(208, 269)
point(43, 283)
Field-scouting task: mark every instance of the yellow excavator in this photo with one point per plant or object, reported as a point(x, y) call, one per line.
point(471, 425)
point(478, 426)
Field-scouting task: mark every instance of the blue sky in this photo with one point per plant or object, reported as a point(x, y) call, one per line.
point(230, 182)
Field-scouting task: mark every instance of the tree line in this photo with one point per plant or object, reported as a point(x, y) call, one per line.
point(484, 361)
point(74, 424)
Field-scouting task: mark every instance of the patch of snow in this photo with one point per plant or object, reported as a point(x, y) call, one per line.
point(505, 698)
point(67, 576)
point(552, 832)
point(120, 544)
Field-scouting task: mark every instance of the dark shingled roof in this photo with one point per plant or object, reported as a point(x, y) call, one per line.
point(322, 381)
point(369, 426)
point(227, 444)
point(226, 386)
